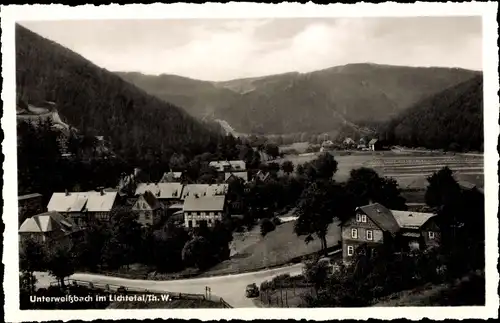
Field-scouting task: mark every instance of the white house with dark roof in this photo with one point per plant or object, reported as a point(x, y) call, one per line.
point(204, 210)
point(47, 227)
point(148, 209)
point(166, 193)
point(83, 206)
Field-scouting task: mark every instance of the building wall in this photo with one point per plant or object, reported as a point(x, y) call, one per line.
point(362, 228)
point(196, 217)
point(431, 226)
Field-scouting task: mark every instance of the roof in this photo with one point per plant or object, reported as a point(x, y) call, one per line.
point(204, 203)
point(242, 175)
point(373, 141)
point(176, 206)
point(234, 164)
point(160, 190)
point(381, 215)
point(411, 220)
point(47, 222)
point(28, 196)
point(204, 190)
point(151, 200)
point(167, 177)
point(82, 201)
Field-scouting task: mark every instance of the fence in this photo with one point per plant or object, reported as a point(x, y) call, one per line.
point(290, 296)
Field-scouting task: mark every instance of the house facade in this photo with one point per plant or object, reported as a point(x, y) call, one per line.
point(374, 225)
point(148, 208)
point(82, 207)
point(29, 205)
point(204, 211)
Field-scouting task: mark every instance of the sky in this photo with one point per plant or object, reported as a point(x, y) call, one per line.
point(222, 49)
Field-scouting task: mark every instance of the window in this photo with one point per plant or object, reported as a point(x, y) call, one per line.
point(350, 250)
point(369, 234)
point(190, 224)
point(354, 233)
point(147, 215)
point(363, 218)
point(431, 235)
point(358, 217)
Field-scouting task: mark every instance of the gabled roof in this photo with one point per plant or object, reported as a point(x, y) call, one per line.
point(47, 222)
point(151, 200)
point(161, 190)
point(28, 196)
point(242, 175)
point(381, 215)
point(204, 203)
point(411, 220)
point(168, 177)
point(204, 190)
point(373, 141)
point(82, 201)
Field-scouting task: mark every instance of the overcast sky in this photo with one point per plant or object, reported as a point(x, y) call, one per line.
point(220, 50)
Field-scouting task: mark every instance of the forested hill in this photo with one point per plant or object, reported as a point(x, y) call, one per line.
point(451, 119)
point(316, 102)
point(99, 102)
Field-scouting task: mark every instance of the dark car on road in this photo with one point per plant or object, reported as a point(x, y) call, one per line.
point(252, 291)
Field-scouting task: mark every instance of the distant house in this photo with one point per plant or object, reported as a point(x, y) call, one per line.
point(327, 145)
point(204, 210)
point(47, 227)
point(348, 142)
point(28, 205)
point(171, 177)
point(82, 207)
point(374, 144)
point(374, 225)
point(262, 176)
point(234, 175)
point(148, 208)
point(228, 165)
point(201, 190)
point(363, 143)
point(166, 193)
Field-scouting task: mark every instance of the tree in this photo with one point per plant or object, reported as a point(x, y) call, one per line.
point(273, 168)
point(366, 186)
point(317, 207)
point(31, 258)
point(272, 150)
point(316, 272)
point(266, 226)
point(287, 167)
point(197, 252)
point(60, 262)
point(443, 189)
point(325, 165)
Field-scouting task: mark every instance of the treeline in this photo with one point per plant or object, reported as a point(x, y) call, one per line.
point(450, 120)
point(98, 102)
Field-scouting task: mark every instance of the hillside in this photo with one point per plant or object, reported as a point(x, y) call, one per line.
point(99, 102)
point(314, 102)
point(451, 119)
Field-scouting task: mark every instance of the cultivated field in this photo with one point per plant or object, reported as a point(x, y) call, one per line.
point(409, 169)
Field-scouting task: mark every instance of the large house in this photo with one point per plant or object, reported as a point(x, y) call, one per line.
point(82, 207)
point(166, 193)
point(200, 190)
point(28, 205)
point(374, 225)
point(47, 227)
point(204, 210)
point(148, 208)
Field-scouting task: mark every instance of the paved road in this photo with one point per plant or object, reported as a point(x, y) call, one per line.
point(230, 287)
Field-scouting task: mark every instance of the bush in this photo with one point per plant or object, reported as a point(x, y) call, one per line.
point(266, 226)
point(276, 221)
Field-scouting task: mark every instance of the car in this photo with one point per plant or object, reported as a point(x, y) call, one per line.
point(252, 291)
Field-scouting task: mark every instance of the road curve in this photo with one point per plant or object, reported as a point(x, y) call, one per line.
point(229, 287)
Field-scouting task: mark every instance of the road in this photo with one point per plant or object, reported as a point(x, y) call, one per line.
point(230, 287)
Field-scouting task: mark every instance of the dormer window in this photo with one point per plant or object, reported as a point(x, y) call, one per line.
point(363, 218)
point(358, 217)
point(431, 235)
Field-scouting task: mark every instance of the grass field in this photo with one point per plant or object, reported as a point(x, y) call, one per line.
point(276, 248)
point(409, 169)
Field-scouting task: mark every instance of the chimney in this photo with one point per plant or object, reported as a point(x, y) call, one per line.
point(102, 191)
point(66, 192)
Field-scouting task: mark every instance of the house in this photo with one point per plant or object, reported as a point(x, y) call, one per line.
point(82, 207)
point(148, 208)
point(374, 225)
point(200, 190)
point(47, 227)
point(234, 175)
point(363, 143)
point(166, 193)
point(228, 165)
point(171, 177)
point(28, 205)
point(262, 176)
point(204, 211)
point(327, 145)
point(348, 142)
point(374, 144)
